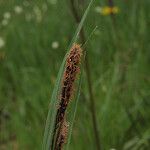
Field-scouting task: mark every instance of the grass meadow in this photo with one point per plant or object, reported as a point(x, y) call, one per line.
point(34, 37)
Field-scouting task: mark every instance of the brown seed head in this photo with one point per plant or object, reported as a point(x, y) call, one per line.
point(70, 73)
point(62, 139)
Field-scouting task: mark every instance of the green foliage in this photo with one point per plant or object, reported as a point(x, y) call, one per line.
point(119, 61)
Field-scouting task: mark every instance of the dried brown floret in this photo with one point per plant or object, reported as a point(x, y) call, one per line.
point(62, 137)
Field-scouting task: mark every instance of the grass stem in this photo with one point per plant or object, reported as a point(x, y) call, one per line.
point(88, 74)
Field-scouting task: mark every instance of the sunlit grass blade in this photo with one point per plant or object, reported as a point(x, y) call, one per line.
point(50, 122)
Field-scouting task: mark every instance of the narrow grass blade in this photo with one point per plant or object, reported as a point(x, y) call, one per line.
point(81, 24)
point(52, 111)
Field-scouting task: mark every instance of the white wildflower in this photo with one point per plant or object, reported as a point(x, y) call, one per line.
point(7, 15)
point(44, 7)
point(4, 22)
point(18, 9)
point(28, 17)
point(2, 42)
point(26, 3)
point(98, 9)
point(38, 13)
point(55, 45)
point(104, 88)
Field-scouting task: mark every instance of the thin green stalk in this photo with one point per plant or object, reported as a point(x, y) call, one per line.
point(88, 74)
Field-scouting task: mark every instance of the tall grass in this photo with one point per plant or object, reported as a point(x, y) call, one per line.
point(119, 59)
point(50, 123)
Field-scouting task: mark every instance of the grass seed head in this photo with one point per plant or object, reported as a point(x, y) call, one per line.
point(71, 71)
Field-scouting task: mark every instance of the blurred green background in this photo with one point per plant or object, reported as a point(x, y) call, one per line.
point(34, 36)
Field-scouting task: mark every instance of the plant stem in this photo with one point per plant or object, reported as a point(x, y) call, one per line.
point(88, 74)
point(111, 3)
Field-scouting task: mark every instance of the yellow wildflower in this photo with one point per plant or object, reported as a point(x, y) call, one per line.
point(115, 10)
point(107, 10)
